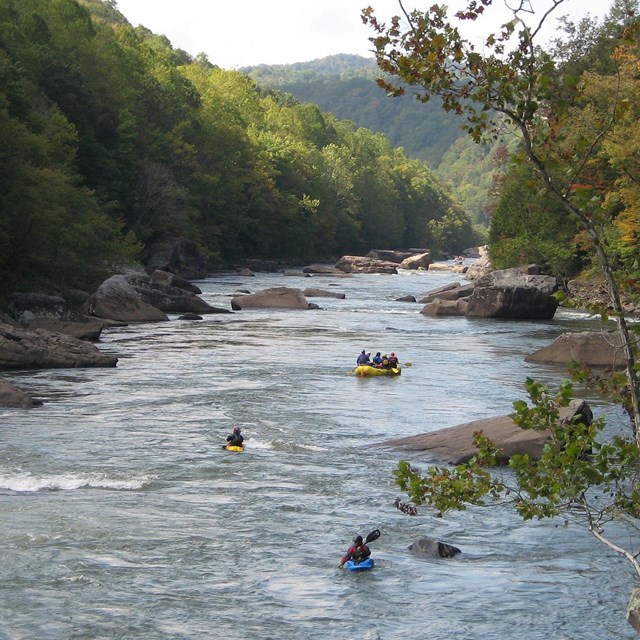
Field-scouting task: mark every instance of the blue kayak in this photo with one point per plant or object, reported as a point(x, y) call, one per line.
point(350, 565)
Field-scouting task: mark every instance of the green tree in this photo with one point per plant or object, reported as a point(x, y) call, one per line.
point(514, 83)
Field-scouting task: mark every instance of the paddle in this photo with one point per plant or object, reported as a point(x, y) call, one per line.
point(374, 535)
point(407, 364)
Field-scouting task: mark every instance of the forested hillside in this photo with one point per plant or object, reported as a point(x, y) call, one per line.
point(345, 85)
point(115, 144)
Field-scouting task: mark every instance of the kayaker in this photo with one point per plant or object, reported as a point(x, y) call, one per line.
point(358, 552)
point(393, 360)
point(235, 438)
point(363, 358)
point(376, 360)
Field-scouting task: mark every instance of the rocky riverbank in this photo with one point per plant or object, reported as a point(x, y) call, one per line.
point(592, 294)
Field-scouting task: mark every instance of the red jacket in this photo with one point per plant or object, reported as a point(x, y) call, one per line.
point(357, 554)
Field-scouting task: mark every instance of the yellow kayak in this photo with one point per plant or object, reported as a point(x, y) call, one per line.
point(368, 370)
point(233, 448)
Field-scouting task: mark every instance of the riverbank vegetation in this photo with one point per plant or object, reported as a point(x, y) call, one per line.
point(115, 142)
point(568, 198)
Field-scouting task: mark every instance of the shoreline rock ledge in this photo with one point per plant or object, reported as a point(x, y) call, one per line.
point(454, 445)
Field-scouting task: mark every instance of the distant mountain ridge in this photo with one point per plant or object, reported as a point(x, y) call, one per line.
point(345, 85)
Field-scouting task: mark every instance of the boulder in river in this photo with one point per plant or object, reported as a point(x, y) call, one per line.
point(514, 293)
point(275, 297)
point(323, 293)
point(322, 270)
point(135, 296)
point(520, 293)
point(391, 255)
point(455, 444)
point(363, 264)
point(433, 548)
point(418, 261)
point(40, 349)
point(12, 396)
point(587, 348)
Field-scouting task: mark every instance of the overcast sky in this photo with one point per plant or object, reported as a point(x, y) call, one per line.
point(238, 33)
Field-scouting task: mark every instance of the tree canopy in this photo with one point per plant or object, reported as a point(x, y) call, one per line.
point(116, 142)
point(567, 191)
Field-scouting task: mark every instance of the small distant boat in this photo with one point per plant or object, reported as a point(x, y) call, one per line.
point(368, 370)
point(365, 565)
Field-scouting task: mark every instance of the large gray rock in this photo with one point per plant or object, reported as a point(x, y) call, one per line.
point(89, 329)
point(452, 291)
point(481, 267)
point(441, 266)
point(514, 293)
point(322, 270)
point(419, 261)
point(363, 264)
point(509, 293)
point(323, 293)
point(116, 298)
point(161, 278)
point(135, 296)
point(588, 348)
point(433, 548)
point(391, 255)
point(276, 297)
point(11, 396)
point(440, 307)
point(39, 349)
point(455, 444)
point(517, 303)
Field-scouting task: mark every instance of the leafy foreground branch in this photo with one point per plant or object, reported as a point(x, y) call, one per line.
point(582, 475)
point(570, 132)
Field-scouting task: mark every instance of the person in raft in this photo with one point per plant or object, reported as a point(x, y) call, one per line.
point(377, 360)
point(235, 438)
point(358, 552)
point(393, 360)
point(363, 358)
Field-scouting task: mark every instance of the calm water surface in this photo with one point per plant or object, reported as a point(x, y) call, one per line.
point(121, 516)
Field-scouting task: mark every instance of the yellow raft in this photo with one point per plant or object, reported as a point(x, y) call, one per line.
point(368, 370)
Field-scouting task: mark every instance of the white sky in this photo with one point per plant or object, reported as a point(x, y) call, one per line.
point(238, 33)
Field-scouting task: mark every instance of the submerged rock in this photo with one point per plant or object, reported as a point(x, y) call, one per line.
point(433, 548)
point(12, 396)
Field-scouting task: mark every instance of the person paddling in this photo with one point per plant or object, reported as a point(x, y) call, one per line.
point(363, 358)
point(358, 552)
point(235, 438)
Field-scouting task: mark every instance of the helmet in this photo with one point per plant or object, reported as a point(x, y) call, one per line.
point(362, 351)
point(377, 353)
point(236, 429)
point(393, 354)
point(357, 540)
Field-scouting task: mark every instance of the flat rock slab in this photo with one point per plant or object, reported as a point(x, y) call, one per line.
point(40, 349)
point(588, 348)
point(455, 444)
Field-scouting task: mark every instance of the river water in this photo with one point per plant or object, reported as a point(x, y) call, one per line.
point(122, 517)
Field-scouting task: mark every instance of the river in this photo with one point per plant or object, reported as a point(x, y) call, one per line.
point(122, 517)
